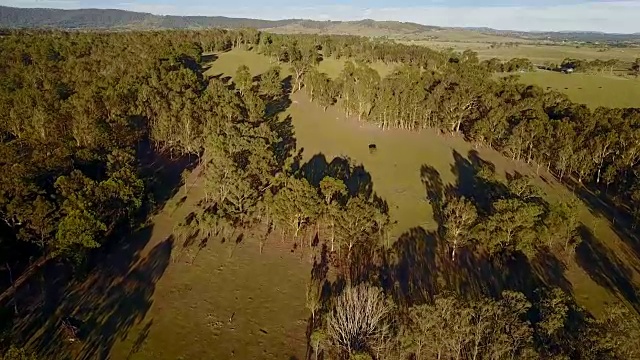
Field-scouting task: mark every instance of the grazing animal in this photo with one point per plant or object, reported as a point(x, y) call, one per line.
point(372, 148)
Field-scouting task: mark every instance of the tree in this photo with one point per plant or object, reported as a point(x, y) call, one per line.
point(256, 107)
point(560, 225)
point(635, 67)
point(296, 206)
point(16, 353)
point(620, 332)
point(313, 298)
point(270, 84)
point(358, 319)
point(318, 337)
point(299, 69)
point(356, 224)
point(331, 188)
point(459, 216)
point(452, 328)
point(243, 79)
point(327, 94)
point(510, 227)
point(523, 187)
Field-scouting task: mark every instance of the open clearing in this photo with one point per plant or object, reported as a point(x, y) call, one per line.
point(609, 266)
point(592, 90)
point(228, 63)
point(232, 302)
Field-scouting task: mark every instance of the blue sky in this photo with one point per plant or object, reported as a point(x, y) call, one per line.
point(621, 16)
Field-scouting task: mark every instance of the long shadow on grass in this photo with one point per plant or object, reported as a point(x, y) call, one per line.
point(603, 266)
point(356, 178)
point(601, 205)
point(115, 296)
point(421, 264)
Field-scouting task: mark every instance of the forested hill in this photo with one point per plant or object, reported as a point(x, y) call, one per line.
point(120, 19)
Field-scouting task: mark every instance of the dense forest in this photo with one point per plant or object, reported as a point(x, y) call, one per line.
point(87, 116)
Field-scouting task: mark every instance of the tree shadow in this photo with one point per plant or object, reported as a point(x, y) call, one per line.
point(604, 267)
point(162, 173)
point(356, 178)
point(115, 296)
point(140, 339)
point(286, 143)
point(600, 205)
point(206, 60)
point(473, 272)
point(475, 180)
point(550, 271)
point(411, 271)
point(287, 85)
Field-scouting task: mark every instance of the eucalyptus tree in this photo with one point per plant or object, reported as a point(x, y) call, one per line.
point(459, 216)
point(296, 206)
point(243, 79)
point(270, 83)
point(332, 190)
point(511, 226)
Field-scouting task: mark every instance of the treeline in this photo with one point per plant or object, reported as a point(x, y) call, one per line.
point(86, 120)
point(593, 66)
point(513, 65)
point(78, 110)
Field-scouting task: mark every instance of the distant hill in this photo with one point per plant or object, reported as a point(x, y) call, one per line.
point(120, 19)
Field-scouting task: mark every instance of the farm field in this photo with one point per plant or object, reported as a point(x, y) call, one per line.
point(592, 90)
point(395, 171)
point(538, 54)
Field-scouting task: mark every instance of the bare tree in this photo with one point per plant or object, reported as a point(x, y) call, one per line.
point(359, 319)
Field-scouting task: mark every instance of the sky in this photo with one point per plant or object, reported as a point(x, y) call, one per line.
point(618, 16)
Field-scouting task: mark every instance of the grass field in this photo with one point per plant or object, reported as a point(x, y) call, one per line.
point(538, 54)
point(228, 63)
point(332, 67)
point(231, 302)
point(592, 90)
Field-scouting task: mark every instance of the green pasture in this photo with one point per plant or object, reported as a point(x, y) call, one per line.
point(592, 90)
